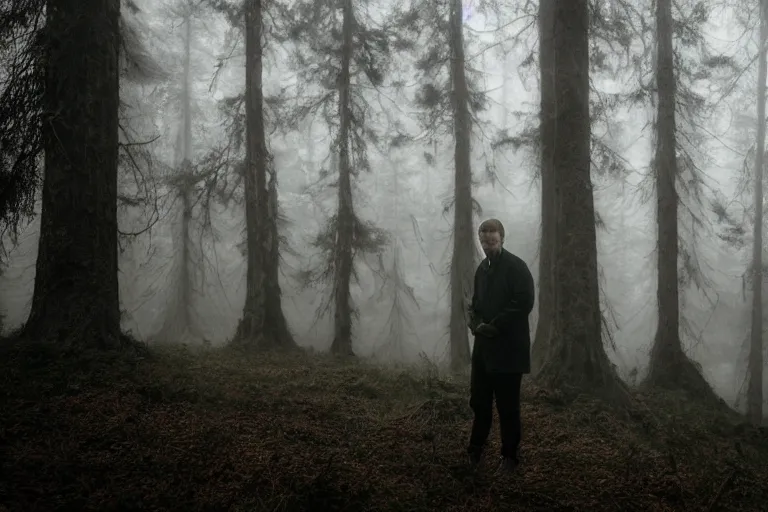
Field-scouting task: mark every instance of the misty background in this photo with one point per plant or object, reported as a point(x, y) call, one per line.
point(408, 190)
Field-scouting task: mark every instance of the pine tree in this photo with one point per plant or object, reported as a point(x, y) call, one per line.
point(449, 99)
point(180, 321)
point(76, 297)
point(390, 280)
point(25, 102)
point(678, 183)
point(263, 324)
point(337, 58)
point(612, 38)
point(755, 362)
point(575, 357)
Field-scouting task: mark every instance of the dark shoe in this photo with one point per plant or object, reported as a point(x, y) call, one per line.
point(507, 465)
point(475, 455)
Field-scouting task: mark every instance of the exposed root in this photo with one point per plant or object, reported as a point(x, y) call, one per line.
point(271, 333)
point(578, 366)
point(673, 370)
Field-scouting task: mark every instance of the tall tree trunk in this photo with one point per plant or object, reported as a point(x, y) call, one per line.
point(755, 365)
point(463, 257)
point(547, 123)
point(345, 219)
point(76, 295)
point(575, 356)
point(275, 323)
point(178, 323)
point(250, 331)
point(185, 272)
point(186, 90)
point(263, 324)
point(669, 366)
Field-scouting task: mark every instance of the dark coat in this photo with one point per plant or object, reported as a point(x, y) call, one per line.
point(503, 297)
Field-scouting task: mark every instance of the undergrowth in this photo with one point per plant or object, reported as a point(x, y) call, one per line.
point(176, 429)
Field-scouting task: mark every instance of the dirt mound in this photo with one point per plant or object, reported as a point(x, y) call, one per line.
point(216, 431)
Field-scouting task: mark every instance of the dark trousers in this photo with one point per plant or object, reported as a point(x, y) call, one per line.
point(506, 389)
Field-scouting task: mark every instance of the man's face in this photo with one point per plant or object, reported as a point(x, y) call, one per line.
point(490, 239)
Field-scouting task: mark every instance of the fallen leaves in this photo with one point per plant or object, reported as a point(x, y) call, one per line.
point(216, 432)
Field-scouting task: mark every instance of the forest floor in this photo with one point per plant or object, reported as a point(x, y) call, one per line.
point(215, 430)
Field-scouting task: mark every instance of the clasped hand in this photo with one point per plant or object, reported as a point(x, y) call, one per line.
point(487, 330)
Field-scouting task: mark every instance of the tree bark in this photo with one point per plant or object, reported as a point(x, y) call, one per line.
point(345, 217)
point(76, 296)
point(186, 90)
point(575, 357)
point(755, 364)
point(186, 306)
point(547, 125)
point(263, 324)
point(463, 256)
point(250, 331)
point(669, 366)
point(276, 323)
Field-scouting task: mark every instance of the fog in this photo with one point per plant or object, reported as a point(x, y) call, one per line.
point(406, 194)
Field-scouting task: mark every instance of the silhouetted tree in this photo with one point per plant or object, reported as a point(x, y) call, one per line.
point(76, 288)
point(263, 324)
point(338, 58)
point(575, 356)
point(755, 363)
point(449, 99)
point(180, 322)
point(674, 170)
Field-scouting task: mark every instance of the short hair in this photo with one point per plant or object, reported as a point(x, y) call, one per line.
point(492, 225)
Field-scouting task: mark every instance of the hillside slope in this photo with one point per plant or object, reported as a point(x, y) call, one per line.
point(219, 431)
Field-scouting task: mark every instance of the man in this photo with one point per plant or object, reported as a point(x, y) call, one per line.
point(498, 318)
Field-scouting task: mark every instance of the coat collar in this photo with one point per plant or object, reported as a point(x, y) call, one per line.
point(492, 260)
